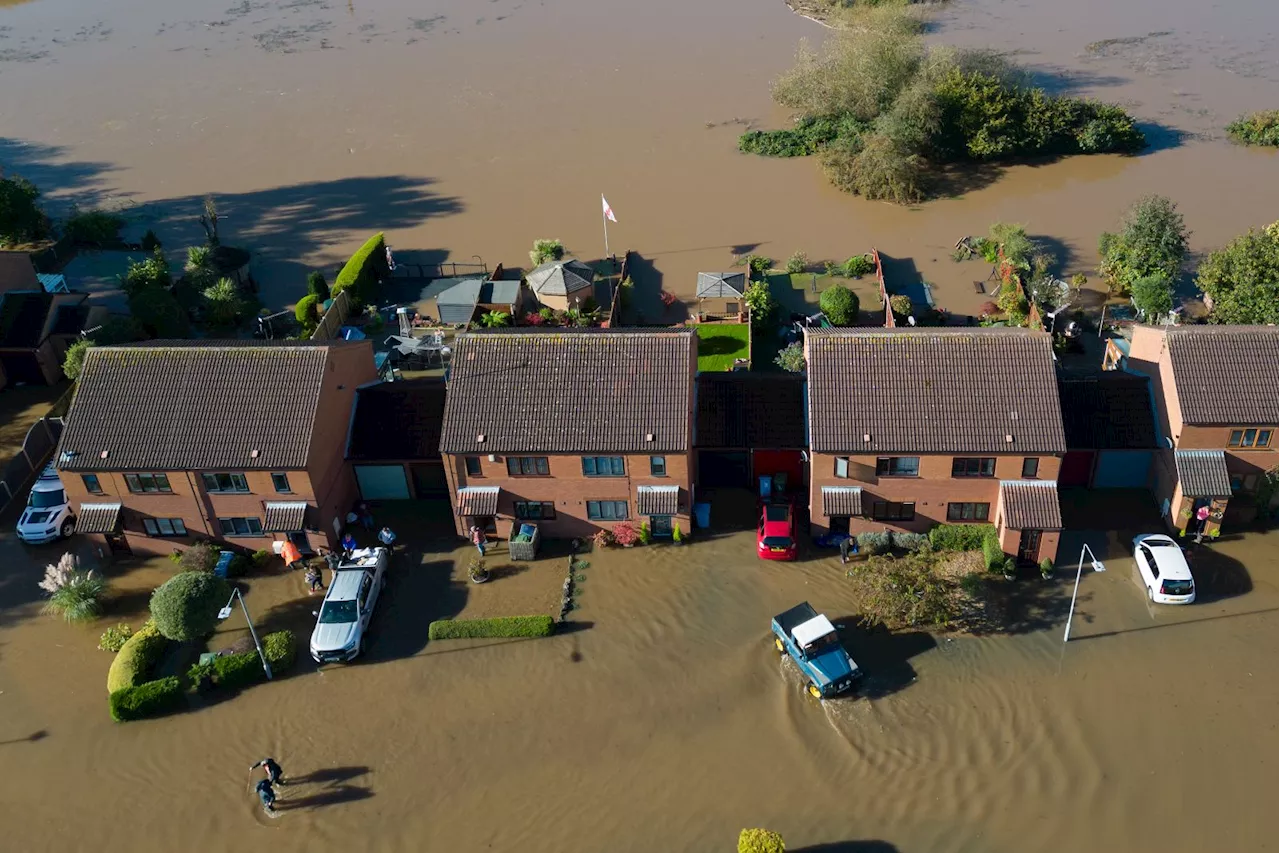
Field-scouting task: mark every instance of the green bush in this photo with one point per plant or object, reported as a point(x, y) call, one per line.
point(1046, 567)
point(1152, 239)
point(152, 272)
point(317, 286)
point(759, 264)
point(502, 626)
point(791, 358)
point(92, 227)
point(809, 136)
point(857, 266)
point(186, 606)
point(760, 300)
point(900, 304)
point(904, 592)
point(147, 700)
point(222, 302)
point(992, 554)
point(261, 557)
point(1241, 278)
point(238, 670)
point(1260, 128)
point(1153, 296)
point(874, 542)
point(910, 541)
point(797, 263)
point(367, 267)
point(760, 841)
point(21, 219)
point(281, 649)
point(545, 250)
point(307, 312)
point(840, 304)
point(239, 566)
point(200, 557)
point(114, 638)
point(960, 537)
point(73, 361)
point(159, 313)
point(136, 657)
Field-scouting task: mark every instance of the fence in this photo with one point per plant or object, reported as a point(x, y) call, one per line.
point(889, 322)
point(408, 269)
point(334, 319)
point(615, 304)
point(37, 447)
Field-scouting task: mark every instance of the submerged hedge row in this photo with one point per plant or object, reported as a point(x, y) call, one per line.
point(502, 626)
point(136, 658)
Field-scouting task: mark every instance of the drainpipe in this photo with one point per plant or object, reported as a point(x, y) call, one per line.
point(202, 501)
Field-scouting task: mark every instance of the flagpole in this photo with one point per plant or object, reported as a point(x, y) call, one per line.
point(605, 218)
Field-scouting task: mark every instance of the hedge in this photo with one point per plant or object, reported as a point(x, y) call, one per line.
point(245, 668)
point(185, 607)
point(136, 657)
point(992, 553)
point(960, 537)
point(281, 649)
point(147, 700)
point(503, 626)
point(873, 542)
point(362, 273)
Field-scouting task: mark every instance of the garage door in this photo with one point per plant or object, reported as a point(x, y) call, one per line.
point(1122, 469)
point(429, 481)
point(719, 469)
point(1077, 465)
point(382, 482)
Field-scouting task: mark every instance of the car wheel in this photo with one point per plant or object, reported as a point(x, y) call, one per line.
point(815, 692)
point(777, 644)
point(1151, 595)
point(68, 527)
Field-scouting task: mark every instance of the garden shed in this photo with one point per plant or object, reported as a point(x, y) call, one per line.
point(720, 296)
point(459, 303)
point(561, 285)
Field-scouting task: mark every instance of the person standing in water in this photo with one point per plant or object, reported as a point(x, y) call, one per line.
point(275, 774)
point(267, 795)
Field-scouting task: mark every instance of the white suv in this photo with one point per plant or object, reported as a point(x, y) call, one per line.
point(47, 516)
point(342, 623)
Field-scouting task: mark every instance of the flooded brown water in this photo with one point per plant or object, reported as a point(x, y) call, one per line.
point(667, 722)
point(470, 128)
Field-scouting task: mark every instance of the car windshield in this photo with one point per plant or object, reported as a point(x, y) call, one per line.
point(338, 612)
point(44, 500)
point(1177, 587)
point(776, 513)
point(823, 644)
point(777, 541)
point(1160, 543)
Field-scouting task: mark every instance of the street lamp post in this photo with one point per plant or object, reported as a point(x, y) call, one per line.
point(1097, 567)
point(225, 613)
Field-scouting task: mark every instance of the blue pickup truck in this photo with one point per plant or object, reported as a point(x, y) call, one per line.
point(811, 640)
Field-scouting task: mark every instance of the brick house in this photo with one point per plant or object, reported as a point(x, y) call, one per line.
point(394, 443)
point(913, 428)
point(240, 442)
point(574, 429)
point(1216, 405)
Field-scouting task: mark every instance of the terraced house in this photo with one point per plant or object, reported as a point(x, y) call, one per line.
point(238, 442)
point(913, 428)
point(576, 430)
point(1216, 401)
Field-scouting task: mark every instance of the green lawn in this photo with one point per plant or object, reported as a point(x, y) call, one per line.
point(720, 343)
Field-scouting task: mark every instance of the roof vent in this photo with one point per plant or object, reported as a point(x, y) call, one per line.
point(253, 454)
point(480, 438)
point(648, 436)
point(866, 437)
point(104, 454)
point(1008, 439)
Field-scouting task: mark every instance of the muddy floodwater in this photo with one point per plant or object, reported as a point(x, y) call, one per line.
point(469, 128)
point(664, 720)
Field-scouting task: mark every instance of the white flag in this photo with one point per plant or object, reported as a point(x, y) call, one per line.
point(608, 211)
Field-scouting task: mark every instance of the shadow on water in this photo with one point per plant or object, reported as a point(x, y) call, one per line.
point(1217, 575)
point(418, 593)
point(850, 847)
point(509, 570)
point(328, 774)
point(883, 655)
point(646, 306)
point(328, 797)
point(31, 738)
point(1077, 638)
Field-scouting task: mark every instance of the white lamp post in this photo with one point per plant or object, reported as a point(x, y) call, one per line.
point(225, 613)
point(1097, 567)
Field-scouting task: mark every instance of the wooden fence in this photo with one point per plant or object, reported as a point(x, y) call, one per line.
point(889, 322)
point(615, 304)
point(334, 319)
point(37, 447)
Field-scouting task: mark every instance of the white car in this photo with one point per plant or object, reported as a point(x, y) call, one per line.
point(47, 516)
point(1164, 569)
point(342, 623)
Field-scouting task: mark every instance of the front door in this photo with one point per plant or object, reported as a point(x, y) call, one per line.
point(660, 525)
point(1029, 546)
point(487, 523)
point(118, 544)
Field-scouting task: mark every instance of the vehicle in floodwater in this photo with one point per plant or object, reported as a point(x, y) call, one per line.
point(1164, 569)
point(342, 623)
point(810, 639)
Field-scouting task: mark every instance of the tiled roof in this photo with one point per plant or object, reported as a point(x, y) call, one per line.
point(1203, 473)
point(932, 391)
point(22, 316)
point(1031, 504)
point(1109, 411)
point(576, 391)
point(284, 516)
point(713, 285)
point(165, 407)
point(98, 518)
point(657, 500)
point(1226, 375)
point(478, 500)
point(560, 278)
point(841, 500)
point(398, 420)
point(753, 410)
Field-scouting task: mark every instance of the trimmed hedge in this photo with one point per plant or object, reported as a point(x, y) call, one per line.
point(239, 670)
point(503, 626)
point(185, 607)
point(281, 649)
point(909, 541)
point(960, 537)
point(992, 553)
point(136, 658)
point(147, 700)
point(873, 542)
point(363, 272)
point(245, 668)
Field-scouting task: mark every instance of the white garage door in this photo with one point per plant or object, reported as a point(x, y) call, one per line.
point(382, 482)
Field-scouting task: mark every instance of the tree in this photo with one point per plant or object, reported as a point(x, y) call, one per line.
point(840, 304)
point(1152, 239)
point(760, 300)
point(1240, 280)
point(21, 219)
point(317, 285)
point(222, 302)
point(791, 358)
point(546, 250)
point(307, 314)
point(73, 361)
point(1153, 295)
point(797, 263)
point(185, 607)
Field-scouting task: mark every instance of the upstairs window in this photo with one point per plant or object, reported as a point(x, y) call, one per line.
point(528, 466)
point(281, 483)
point(1250, 438)
point(603, 466)
point(973, 466)
point(148, 483)
point(898, 466)
point(234, 483)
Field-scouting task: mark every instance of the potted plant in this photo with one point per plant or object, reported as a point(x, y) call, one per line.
point(476, 570)
point(1010, 569)
point(676, 536)
point(1046, 568)
point(645, 536)
point(625, 535)
point(602, 539)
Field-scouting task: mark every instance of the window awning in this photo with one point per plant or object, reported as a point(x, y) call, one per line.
point(657, 500)
point(478, 500)
point(1203, 473)
point(285, 517)
point(841, 500)
point(98, 518)
point(1030, 504)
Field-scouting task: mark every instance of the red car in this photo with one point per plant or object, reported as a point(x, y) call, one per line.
point(776, 537)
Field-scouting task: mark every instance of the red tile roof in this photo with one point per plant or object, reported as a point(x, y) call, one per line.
point(1226, 375)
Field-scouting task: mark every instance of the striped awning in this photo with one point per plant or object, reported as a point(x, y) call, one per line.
point(1030, 504)
point(657, 500)
point(285, 517)
point(478, 500)
point(841, 500)
point(1203, 473)
point(98, 518)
